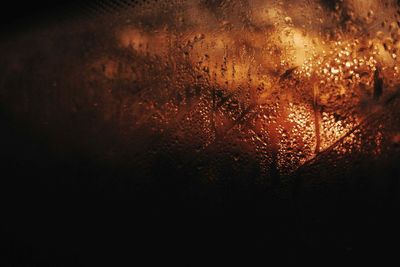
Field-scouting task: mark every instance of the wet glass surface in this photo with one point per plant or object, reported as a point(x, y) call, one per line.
point(266, 88)
point(283, 109)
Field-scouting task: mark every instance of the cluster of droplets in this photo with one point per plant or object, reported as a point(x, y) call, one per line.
point(302, 117)
point(344, 61)
point(333, 129)
point(297, 142)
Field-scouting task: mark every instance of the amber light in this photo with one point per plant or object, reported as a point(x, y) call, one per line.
point(266, 80)
point(297, 85)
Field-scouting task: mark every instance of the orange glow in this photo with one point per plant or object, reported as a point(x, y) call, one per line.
point(309, 84)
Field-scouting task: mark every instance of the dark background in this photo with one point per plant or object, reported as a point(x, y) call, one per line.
point(52, 215)
point(18, 15)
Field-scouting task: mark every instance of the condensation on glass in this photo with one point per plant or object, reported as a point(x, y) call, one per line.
point(259, 90)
